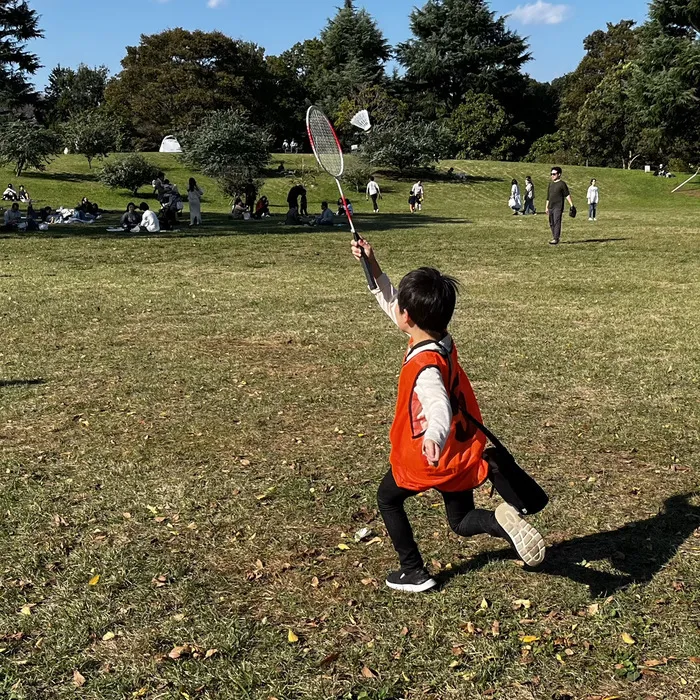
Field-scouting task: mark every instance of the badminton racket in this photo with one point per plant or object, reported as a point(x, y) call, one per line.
point(329, 155)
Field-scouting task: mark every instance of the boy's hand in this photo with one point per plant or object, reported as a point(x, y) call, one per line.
point(431, 450)
point(358, 247)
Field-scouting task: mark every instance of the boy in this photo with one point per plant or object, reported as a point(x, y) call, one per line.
point(433, 444)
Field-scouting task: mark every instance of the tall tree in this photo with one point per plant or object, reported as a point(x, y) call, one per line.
point(677, 16)
point(26, 144)
point(172, 80)
point(460, 45)
point(72, 91)
point(18, 25)
point(605, 51)
point(354, 49)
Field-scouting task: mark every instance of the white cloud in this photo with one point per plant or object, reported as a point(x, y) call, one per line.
point(539, 13)
point(213, 4)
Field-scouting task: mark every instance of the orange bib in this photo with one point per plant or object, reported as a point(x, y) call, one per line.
point(461, 466)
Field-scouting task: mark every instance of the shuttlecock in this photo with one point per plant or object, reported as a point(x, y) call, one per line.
point(361, 120)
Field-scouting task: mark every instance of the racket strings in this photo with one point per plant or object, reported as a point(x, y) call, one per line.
point(324, 143)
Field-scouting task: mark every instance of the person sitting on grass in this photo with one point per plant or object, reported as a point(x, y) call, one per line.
point(239, 209)
point(10, 194)
point(23, 195)
point(131, 219)
point(342, 211)
point(293, 218)
point(262, 208)
point(326, 216)
point(433, 442)
point(12, 218)
point(149, 220)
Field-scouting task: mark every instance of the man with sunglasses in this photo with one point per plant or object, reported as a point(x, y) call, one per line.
point(557, 193)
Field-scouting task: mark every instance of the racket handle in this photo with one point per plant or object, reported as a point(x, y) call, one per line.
point(371, 282)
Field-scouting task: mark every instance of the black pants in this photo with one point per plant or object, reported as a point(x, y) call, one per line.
point(464, 519)
point(374, 202)
point(555, 216)
point(529, 205)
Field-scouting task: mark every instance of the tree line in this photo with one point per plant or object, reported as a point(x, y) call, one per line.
point(462, 91)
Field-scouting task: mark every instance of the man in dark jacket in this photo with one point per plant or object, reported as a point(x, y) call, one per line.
point(557, 193)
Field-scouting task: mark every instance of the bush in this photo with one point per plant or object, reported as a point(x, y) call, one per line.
point(357, 172)
point(550, 149)
point(128, 172)
point(404, 145)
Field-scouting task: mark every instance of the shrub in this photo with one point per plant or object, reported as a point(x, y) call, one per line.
point(26, 144)
point(128, 172)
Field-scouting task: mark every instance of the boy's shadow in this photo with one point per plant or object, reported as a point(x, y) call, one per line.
point(639, 549)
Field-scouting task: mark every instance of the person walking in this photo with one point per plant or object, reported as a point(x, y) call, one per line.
point(557, 193)
point(373, 191)
point(419, 193)
point(514, 202)
point(529, 196)
point(194, 197)
point(593, 197)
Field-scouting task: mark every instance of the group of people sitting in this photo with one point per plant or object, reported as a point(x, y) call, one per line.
point(298, 215)
point(246, 210)
point(12, 195)
point(134, 221)
point(39, 219)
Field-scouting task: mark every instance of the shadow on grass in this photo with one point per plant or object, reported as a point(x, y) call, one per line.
point(61, 177)
point(223, 225)
point(594, 240)
point(639, 550)
point(20, 382)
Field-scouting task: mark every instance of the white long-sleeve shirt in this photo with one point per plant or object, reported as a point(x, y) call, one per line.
point(436, 412)
point(592, 195)
point(373, 188)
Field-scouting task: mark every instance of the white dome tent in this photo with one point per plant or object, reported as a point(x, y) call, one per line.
point(170, 145)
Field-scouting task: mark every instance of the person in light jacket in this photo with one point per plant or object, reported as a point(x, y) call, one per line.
point(529, 196)
point(514, 201)
point(592, 196)
point(194, 197)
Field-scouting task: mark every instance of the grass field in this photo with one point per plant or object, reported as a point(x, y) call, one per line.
point(192, 423)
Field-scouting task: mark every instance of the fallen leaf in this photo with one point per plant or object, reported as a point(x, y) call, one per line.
point(126, 516)
point(176, 652)
point(651, 663)
point(593, 609)
point(404, 632)
point(627, 638)
point(107, 636)
point(368, 672)
point(342, 546)
point(375, 540)
point(78, 679)
point(367, 581)
point(496, 628)
point(291, 637)
point(694, 659)
point(529, 638)
point(26, 610)
point(94, 580)
point(210, 653)
point(454, 664)
point(484, 604)
point(314, 581)
point(522, 603)
point(330, 659)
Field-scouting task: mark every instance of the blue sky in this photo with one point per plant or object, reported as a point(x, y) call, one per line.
point(96, 31)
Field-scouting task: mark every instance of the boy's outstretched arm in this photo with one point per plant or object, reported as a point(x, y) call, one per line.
point(386, 295)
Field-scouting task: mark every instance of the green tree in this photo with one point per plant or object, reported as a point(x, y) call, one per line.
point(478, 125)
point(26, 144)
point(677, 16)
point(93, 134)
point(128, 172)
point(18, 25)
point(228, 146)
point(606, 50)
point(407, 144)
point(382, 108)
point(354, 50)
point(172, 80)
point(461, 46)
point(70, 92)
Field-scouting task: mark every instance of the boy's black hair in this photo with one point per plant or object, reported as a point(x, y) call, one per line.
point(557, 169)
point(430, 298)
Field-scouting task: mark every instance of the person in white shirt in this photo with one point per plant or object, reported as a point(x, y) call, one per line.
point(194, 197)
point(514, 202)
point(10, 194)
point(592, 196)
point(373, 191)
point(419, 193)
point(149, 220)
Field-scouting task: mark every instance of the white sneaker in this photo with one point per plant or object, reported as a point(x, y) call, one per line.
point(590, 218)
point(526, 541)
